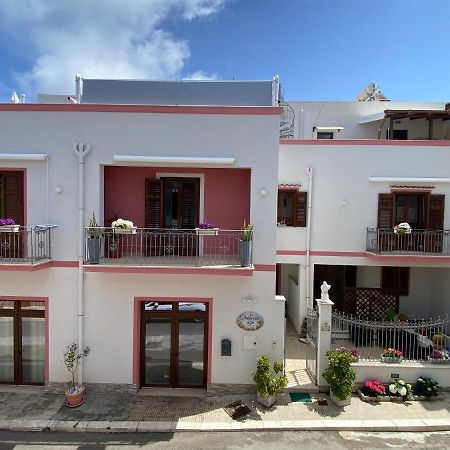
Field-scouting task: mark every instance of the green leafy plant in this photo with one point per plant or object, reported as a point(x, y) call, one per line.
point(426, 387)
point(339, 374)
point(390, 313)
point(247, 232)
point(72, 359)
point(401, 389)
point(94, 230)
point(268, 382)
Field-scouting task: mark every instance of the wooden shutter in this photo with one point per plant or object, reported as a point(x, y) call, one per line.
point(436, 205)
point(300, 207)
point(13, 196)
point(385, 211)
point(190, 203)
point(152, 203)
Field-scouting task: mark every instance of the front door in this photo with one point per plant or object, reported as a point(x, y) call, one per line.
point(174, 344)
point(22, 342)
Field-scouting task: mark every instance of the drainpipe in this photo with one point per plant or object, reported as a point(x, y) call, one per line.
point(300, 123)
point(81, 151)
point(309, 171)
point(78, 81)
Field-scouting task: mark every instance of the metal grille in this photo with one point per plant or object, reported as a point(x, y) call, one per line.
point(370, 303)
point(418, 340)
point(312, 321)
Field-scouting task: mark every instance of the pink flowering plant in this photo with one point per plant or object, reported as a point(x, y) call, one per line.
point(356, 353)
point(374, 388)
point(6, 222)
point(391, 353)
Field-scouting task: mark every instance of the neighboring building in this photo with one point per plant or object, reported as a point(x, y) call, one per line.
point(160, 305)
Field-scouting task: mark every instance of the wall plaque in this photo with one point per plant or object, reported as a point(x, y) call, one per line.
point(250, 321)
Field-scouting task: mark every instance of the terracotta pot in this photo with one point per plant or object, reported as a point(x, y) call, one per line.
point(76, 398)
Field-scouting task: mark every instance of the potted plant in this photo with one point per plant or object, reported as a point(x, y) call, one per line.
point(245, 245)
point(94, 240)
point(122, 226)
point(401, 389)
point(75, 392)
point(391, 355)
point(340, 376)
point(439, 357)
point(356, 354)
point(8, 225)
point(426, 387)
point(402, 228)
point(206, 229)
point(269, 385)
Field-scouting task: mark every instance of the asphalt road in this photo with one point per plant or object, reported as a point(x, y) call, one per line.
point(332, 440)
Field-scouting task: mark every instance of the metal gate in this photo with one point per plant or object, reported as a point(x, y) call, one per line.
point(312, 321)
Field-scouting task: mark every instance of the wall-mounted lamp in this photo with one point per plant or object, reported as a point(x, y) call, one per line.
point(263, 192)
point(58, 189)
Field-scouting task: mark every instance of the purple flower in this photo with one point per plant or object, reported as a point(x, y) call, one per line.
point(436, 354)
point(6, 222)
point(206, 226)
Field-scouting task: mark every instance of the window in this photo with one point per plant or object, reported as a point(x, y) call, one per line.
point(292, 208)
point(395, 278)
point(11, 196)
point(399, 135)
point(325, 135)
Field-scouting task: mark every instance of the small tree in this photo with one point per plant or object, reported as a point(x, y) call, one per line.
point(339, 374)
point(72, 360)
point(267, 382)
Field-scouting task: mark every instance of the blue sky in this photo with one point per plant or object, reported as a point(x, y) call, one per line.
point(322, 49)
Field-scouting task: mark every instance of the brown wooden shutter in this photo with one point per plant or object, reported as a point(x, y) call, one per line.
point(300, 207)
point(385, 211)
point(13, 196)
point(152, 203)
point(436, 205)
point(190, 203)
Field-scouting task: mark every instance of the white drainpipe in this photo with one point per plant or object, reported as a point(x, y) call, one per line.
point(78, 81)
point(81, 151)
point(309, 303)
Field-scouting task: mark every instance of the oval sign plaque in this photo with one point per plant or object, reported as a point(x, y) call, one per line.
point(250, 321)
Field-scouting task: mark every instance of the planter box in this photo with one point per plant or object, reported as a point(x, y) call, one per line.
point(9, 229)
point(125, 230)
point(339, 402)
point(438, 361)
point(392, 398)
point(207, 231)
point(267, 401)
point(391, 359)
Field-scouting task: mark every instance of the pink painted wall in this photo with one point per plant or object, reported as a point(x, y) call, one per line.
point(227, 194)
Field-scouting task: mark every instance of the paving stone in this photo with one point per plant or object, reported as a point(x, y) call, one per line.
point(63, 425)
point(377, 424)
point(99, 426)
point(124, 426)
point(156, 427)
point(29, 425)
point(409, 424)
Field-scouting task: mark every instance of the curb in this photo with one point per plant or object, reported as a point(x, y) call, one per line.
point(264, 425)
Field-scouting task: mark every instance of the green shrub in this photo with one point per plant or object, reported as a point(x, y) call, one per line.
point(268, 383)
point(339, 374)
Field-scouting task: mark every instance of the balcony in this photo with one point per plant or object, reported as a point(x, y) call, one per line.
point(418, 242)
point(153, 247)
point(24, 245)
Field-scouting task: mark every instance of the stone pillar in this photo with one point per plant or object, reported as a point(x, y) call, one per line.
point(325, 307)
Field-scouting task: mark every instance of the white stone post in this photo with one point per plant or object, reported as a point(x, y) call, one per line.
point(325, 307)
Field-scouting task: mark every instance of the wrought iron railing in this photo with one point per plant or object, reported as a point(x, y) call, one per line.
point(417, 340)
point(165, 247)
point(418, 242)
point(24, 245)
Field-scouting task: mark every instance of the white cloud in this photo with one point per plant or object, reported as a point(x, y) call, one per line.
point(200, 75)
point(99, 39)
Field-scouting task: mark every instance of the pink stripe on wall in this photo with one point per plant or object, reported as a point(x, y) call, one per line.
point(46, 325)
point(137, 329)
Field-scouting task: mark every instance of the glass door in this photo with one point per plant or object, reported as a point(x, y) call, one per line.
point(7, 350)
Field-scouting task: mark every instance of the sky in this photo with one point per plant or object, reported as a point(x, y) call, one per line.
point(321, 49)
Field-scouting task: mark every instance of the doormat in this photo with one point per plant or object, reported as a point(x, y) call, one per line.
point(237, 410)
point(302, 397)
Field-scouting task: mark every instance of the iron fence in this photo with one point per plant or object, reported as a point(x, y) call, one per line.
point(24, 245)
point(418, 242)
point(312, 321)
point(151, 246)
point(417, 340)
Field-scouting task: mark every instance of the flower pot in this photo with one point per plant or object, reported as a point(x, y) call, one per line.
point(9, 229)
point(76, 398)
point(207, 231)
point(125, 230)
point(438, 360)
point(94, 248)
point(339, 402)
point(391, 359)
point(245, 252)
point(355, 359)
point(266, 401)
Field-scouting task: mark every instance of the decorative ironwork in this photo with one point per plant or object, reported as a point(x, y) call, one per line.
point(371, 303)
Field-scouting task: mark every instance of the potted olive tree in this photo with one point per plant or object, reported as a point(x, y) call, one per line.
point(94, 240)
point(75, 392)
point(340, 376)
point(245, 245)
point(269, 385)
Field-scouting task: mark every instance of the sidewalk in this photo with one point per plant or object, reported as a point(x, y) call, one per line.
point(125, 412)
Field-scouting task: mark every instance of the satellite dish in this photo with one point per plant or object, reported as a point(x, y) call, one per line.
point(15, 98)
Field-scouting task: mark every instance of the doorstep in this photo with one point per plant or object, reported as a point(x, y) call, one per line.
point(21, 389)
point(171, 392)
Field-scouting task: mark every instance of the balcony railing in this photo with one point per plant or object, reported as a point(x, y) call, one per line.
point(418, 242)
point(24, 245)
point(167, 247)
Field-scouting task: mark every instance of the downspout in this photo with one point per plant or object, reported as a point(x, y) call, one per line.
point(300, 123)
point(309, 171)
point(81, 151)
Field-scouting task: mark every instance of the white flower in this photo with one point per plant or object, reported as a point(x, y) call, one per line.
point(121, 223)
point(401, 382)
point(428, 389)
point(393, 388)
point(402, 228)
point(402, 391)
